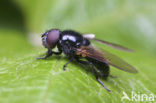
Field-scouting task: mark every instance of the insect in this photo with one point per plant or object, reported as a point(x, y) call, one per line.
point(78, 47)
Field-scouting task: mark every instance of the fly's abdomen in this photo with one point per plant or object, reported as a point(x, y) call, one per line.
point(102, 68)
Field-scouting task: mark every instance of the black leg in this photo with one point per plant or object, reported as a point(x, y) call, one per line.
point(57, 53)
point(97, 78)
point(64, 67)
point(48, 54)
point(94, 71)
point(103, 84)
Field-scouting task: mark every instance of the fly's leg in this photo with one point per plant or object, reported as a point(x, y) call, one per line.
point(94, 71)
point(49, 53)
point(97, 78)
point(64, 67)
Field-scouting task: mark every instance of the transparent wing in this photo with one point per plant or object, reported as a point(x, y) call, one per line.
point(113, 45)
point(106, 57)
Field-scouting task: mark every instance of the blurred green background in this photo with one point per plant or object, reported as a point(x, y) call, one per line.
point(23, 79)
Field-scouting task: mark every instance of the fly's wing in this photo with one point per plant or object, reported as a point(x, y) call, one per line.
point(106, 57)
point(113, 45)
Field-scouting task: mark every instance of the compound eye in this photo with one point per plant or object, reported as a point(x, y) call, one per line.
point(52, 38)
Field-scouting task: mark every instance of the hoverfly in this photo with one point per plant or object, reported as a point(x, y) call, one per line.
point(76, 47)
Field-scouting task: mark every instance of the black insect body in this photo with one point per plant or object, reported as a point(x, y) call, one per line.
point(77, 46)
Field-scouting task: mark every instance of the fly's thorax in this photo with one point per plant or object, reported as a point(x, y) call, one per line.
point(71, 40)
point(74, 38)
